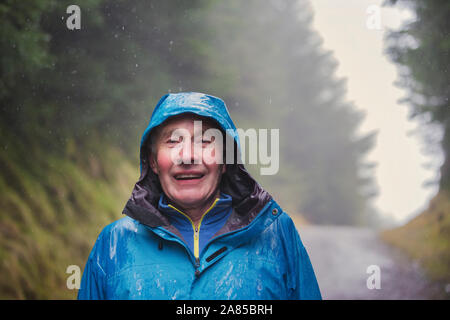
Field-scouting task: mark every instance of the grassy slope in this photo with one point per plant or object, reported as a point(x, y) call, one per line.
point(51, 213)
point(426, 238)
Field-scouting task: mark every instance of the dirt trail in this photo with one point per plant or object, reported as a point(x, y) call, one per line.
point(341, 256)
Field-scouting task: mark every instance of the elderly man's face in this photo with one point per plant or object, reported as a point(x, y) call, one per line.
point(188, 171)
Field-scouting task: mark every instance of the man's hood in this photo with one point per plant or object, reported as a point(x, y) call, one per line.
point(248, 196)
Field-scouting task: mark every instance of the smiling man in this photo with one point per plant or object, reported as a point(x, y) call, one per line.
point(196, 227)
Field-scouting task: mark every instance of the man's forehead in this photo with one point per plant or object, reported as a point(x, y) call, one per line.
point(183, 120)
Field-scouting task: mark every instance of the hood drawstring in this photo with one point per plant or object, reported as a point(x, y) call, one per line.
point(160, 244)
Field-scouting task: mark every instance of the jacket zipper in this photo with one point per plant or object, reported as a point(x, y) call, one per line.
point(196, 229)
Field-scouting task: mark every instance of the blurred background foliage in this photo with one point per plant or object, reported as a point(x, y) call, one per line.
point(421, 49)
point(74, 103)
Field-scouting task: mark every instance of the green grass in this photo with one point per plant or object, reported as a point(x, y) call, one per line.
point(426, 238)
point(52, 210)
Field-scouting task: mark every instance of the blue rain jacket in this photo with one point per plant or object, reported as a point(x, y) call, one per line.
point(256, 254)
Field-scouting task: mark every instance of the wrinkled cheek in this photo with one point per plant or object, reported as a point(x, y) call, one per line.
point(164, 161)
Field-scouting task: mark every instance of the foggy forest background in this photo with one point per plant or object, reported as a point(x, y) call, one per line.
point(74, 103)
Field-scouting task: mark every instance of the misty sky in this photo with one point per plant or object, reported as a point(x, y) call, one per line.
point(370, 75)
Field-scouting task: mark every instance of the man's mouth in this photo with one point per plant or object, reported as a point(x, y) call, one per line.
point(188, 176)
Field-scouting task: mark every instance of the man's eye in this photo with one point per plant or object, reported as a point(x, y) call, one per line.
point(172, 141)
point(208, 140)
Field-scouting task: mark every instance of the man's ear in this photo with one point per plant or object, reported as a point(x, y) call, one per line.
point(152, 161)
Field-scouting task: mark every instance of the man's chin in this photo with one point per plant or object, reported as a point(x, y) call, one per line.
point(190, 199)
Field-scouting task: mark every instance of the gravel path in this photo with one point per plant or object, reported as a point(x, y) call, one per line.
point(341, 256)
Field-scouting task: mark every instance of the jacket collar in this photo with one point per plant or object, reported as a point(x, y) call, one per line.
point(248, 198)
point(217, 211)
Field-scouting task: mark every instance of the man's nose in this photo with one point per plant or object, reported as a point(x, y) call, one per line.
point(191, 153)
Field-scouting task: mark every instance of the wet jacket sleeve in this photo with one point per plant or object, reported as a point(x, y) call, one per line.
point(92, 282)
point(301, 281)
